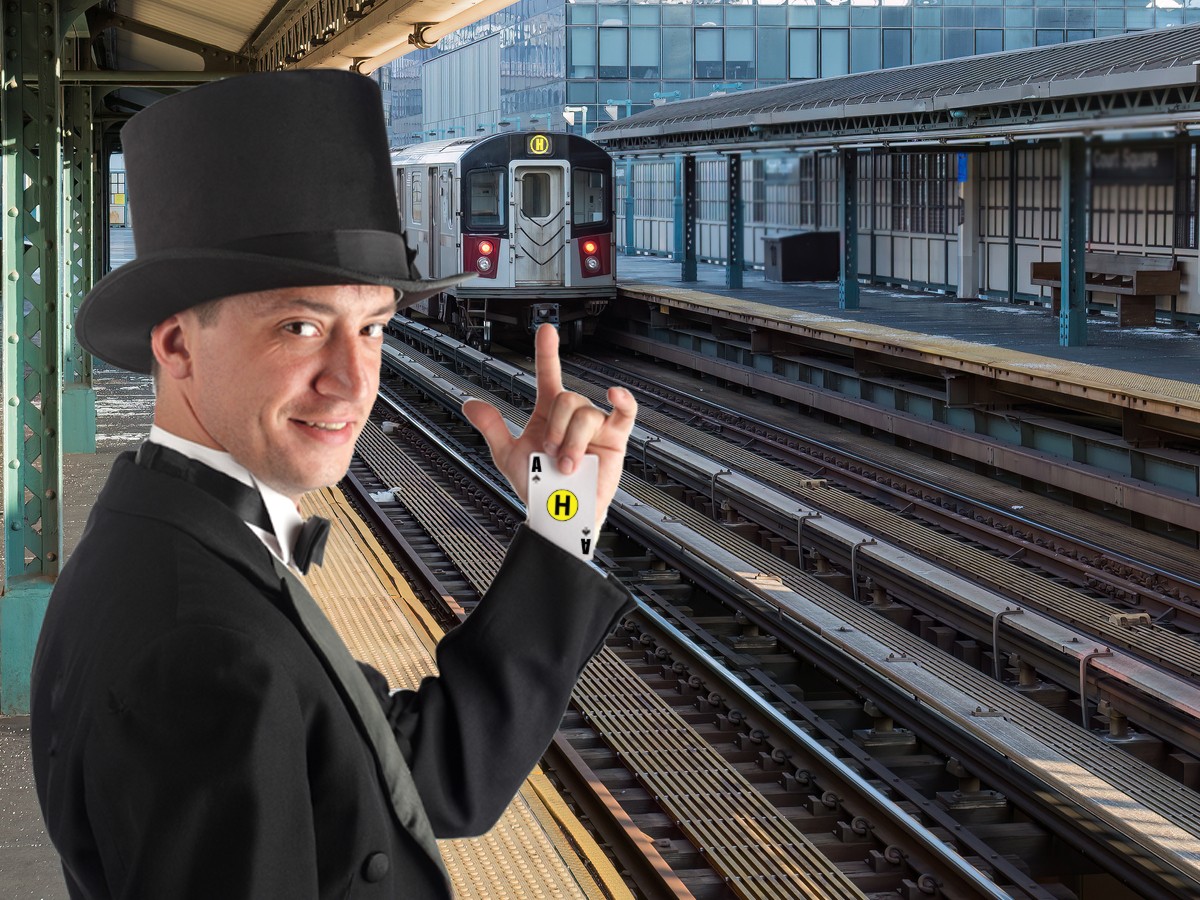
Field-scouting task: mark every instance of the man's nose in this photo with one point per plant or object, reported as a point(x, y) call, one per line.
point(350, 369)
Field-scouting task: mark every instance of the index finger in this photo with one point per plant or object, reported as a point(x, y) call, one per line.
point(546, 364)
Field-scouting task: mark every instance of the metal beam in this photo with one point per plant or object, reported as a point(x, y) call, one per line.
point(848, 229)
point(734, 237)
point(630, 250)
point(214, 57)
point(1072, 310)
point(79, 399)
point(689, 219)
point(29, 248)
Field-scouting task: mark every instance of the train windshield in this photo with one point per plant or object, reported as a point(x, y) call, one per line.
point(588, 197)
point(485, 199)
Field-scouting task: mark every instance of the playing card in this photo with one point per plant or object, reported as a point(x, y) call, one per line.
point(562, 508)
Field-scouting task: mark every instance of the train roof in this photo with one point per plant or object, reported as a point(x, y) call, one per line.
point(451, 151)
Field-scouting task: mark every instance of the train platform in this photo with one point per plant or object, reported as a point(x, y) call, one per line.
point(1162, 352)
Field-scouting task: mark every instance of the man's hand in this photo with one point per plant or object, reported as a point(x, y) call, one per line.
point(564, 424)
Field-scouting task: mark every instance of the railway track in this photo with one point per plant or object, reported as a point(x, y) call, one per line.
point(1060, 645)
point(941, 787)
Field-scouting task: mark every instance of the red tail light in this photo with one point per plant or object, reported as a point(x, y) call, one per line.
point(481, 256)
point(595, 256)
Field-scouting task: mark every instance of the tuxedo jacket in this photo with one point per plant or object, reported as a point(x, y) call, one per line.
point(198, 731)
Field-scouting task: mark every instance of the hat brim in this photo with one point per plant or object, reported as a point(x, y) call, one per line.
point(116, 317)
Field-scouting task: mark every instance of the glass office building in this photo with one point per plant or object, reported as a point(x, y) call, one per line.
point(525, 66)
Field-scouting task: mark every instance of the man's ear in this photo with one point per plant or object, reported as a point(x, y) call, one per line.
point(169, 342)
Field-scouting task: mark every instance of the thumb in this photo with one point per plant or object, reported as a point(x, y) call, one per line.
point(488, 422)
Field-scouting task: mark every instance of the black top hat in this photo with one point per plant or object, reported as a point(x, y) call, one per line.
point(253, 183)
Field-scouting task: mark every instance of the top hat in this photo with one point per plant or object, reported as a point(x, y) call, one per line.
point(248, 184)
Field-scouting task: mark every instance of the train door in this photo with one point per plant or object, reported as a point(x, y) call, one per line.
point(540, 234)
point(447, 240)
point(434, 193)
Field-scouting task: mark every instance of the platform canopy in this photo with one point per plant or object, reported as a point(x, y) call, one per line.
point(1144, 82)
point(178, 36)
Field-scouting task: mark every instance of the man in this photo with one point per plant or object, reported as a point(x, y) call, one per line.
point(198, 730)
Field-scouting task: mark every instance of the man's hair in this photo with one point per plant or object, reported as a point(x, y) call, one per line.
point(206, 314)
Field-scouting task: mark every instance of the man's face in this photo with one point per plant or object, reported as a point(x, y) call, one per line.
point(284, 380)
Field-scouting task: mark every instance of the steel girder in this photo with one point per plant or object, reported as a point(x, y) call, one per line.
point(78, 272)
point(32, 162)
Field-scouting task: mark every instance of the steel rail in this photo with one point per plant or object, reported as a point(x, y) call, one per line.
point(1146, 787)
point(926, 841)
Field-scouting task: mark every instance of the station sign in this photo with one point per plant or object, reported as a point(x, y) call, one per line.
point(1133, 164)
point(539, 145)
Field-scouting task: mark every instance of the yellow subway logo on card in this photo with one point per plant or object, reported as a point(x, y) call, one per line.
point(562, 505)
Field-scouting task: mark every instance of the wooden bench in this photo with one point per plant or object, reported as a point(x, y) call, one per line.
point(1135, 281)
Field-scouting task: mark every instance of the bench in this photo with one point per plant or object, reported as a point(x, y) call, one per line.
point(1135, 281)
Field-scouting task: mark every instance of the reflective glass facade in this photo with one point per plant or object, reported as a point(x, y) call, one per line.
point(551, 55)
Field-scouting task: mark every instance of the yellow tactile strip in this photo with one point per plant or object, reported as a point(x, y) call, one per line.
point(529, 853)
point(1146, 393)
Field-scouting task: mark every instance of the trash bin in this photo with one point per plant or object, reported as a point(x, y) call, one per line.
point(805, 256)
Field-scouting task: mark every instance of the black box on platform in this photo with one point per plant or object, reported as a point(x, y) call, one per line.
point(806, 256)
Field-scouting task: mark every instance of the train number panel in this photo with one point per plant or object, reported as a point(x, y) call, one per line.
point(530, 214)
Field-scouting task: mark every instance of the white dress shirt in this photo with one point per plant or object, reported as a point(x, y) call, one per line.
point(285, 517)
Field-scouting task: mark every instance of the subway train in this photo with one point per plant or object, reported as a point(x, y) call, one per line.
point(530, 214)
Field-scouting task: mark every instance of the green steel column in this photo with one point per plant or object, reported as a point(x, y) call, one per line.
point(689, 219)
point(848, 230)
point(629, 232)
point(79, 398)
point(734, 252)
point(1072, 311)
point(31, 347)
point(677, 211)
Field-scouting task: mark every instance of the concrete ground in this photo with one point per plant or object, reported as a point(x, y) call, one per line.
point(1163, 351)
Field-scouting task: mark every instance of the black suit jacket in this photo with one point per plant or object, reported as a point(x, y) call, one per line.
point(193, 738)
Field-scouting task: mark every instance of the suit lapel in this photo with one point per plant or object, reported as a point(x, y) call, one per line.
point(134, 490)
point(365, 707)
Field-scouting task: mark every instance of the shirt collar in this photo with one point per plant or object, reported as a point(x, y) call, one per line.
point(285, 518)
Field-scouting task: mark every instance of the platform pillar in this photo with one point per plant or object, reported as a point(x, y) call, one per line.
point(79, 398)
point(848, 229)
point(968, 232)
point(1012, 224)
point(630, 250)
point(735, 261)
point(689, 219)
point(1072, 317)
point(31, 294)
point(677, 212)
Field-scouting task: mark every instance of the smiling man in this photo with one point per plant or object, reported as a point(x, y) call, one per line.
point(198, 728)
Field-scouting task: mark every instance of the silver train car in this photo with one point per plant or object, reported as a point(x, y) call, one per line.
point(529, 213)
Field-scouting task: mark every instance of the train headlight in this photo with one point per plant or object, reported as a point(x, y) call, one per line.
point(591, 264)
point(484, 264)
point(590, 247)
point(486, 248)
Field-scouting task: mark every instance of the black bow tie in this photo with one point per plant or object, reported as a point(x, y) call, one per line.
point(245, 501)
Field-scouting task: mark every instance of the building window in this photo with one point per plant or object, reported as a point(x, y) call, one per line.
point(645, 53)
point(739, 54)
point(989, 40)
point(710, 53)
point(772, 53)
point(897, 47)
point(802, 53)
point(614, 53)
point(677, 53)
point(582, 53)
point(835, 51)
